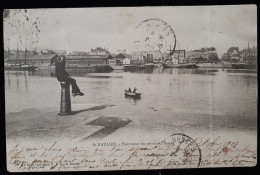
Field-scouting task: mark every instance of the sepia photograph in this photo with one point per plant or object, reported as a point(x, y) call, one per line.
point(130, 88)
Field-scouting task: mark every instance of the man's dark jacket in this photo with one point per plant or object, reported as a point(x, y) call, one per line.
point(61, 73)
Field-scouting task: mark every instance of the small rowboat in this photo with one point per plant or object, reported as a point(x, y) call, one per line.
point(131, 94)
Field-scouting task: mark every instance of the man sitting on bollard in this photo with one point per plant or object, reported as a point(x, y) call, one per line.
point(63, 76)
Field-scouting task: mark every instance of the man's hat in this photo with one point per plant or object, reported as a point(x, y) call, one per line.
point(54, 59)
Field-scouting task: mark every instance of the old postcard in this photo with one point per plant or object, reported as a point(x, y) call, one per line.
point(130, 88)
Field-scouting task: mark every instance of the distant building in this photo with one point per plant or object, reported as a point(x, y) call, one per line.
point(224, 57)
point(249, 55)
point(136, 58)
point(252, 58)
point(78, 53)
point(212, 54)
point(198, 55)
point(122, 51)
point(177, 56)
point(203, 55)
point(180, 55)
point(243, 55)
point(87, 60)
point(120, 59)
point(126, 61)
point(60, 52)
point(40, 61)
point(99, 51)
point(151, 56)
point(144, 57)
point(233, 54)
point(43, 52)
point(171, 58)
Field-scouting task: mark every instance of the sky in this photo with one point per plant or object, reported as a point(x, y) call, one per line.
point(83, 29)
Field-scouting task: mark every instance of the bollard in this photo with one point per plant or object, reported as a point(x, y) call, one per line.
point(65, 104)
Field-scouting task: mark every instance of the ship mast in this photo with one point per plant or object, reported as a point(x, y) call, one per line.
point(17, 53)
point(25, 51)
point(248, 49)
point(178, 52)
point(171, 53)
point(170, 48)
point(8, 53)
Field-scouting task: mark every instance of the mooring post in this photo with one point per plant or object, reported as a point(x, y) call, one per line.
point(65, 104)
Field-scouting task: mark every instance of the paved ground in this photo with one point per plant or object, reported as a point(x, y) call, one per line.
point(100, 122)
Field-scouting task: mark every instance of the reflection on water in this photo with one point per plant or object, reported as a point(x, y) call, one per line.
point(228, 92)
point(48, 73)
point(241, 71)
point(85, 73)
point(25, 79)
point(174, 71)
point(17, 80)
point(8, 79)
point(102, 76)
point(132, 100)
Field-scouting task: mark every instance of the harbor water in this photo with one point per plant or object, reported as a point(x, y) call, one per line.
point(205, 90)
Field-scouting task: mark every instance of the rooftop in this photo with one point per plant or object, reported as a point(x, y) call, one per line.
point(34, 57)
point(87, 56)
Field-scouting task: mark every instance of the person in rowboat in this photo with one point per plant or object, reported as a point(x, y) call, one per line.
point(134, 90)
point(63, 76)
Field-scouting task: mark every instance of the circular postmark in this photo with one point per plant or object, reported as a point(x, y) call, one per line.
point(185, 150)
point(155, 35)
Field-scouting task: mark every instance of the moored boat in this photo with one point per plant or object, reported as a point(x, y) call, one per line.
point(149, 65)
point(20, 67)
point(210, 65)
point(28, 67)
point(243, 66)
point(187, 66)
point(130, 67)
point(118, 67)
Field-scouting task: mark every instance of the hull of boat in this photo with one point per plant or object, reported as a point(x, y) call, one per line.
point(187, 66)
point(133, 95)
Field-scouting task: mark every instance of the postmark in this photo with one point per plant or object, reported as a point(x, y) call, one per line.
point(155, 34)
point(184, 150)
